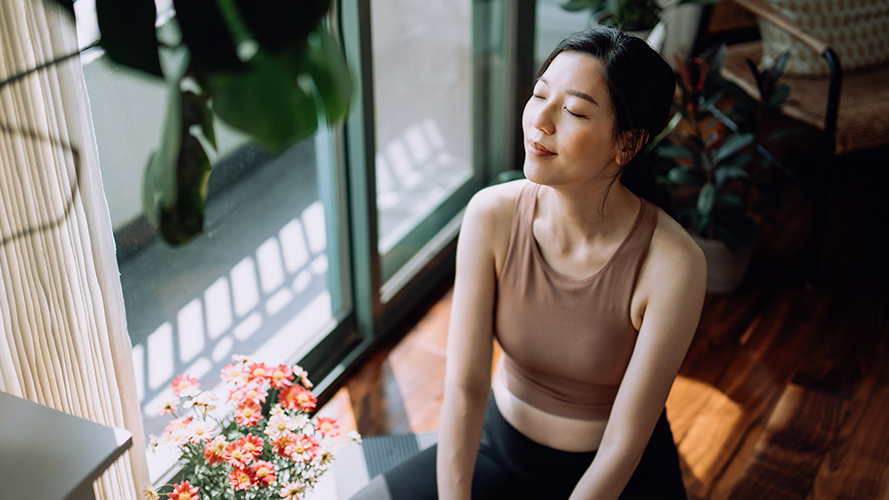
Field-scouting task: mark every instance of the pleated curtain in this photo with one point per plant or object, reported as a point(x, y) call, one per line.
point(64, 342)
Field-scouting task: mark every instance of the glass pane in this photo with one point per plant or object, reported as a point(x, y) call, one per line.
point(256, 282)
point(553, 24)
point(422, 57)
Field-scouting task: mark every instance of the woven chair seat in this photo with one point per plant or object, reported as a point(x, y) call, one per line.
point(863, 120)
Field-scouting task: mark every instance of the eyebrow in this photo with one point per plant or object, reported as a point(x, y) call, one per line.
point(575, 93)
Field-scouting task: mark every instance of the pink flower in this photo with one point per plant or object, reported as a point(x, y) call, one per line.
point(253, 391)
point(303, 450)
point(283, 446)
point(170, 406)
point(263, 474)
point(258, 371)
point(302, 375)
point(183, 491)
point(328, 427)
point(248, 413)
point(241, 479)
point(214, 451)
point(185, 386)
point(200, 431)
point(280, 377)
point(234, 374)
point(176, 430)
point(297, 397)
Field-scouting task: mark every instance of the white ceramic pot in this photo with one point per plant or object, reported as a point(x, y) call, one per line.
point(725, 270)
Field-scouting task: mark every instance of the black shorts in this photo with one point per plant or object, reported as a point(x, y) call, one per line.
point(511, 466)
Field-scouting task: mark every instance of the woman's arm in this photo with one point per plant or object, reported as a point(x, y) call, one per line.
point(470, 344)
point(673, 280)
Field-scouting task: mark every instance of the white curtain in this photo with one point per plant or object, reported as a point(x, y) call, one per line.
point(64, 342)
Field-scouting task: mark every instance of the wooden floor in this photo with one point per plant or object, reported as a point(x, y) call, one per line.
point(784, 393)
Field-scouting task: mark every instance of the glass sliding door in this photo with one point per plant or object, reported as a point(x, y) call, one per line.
point(269, 277)
point(423, 95)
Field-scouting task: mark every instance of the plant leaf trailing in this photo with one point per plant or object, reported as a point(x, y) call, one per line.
point(708, 161)
point(268, 68)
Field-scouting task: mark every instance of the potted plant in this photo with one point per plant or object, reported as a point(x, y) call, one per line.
point(710, 163)
point(630, 15)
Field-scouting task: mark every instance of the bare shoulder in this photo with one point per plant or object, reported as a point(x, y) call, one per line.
point(488, 217)
point(673, 255)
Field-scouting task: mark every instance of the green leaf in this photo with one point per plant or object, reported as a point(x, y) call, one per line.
point(684, 176)
point(128, 33)
point(706, 198)
point(264, 101)
point(175, 186)
point(185, 220)
point(673, 150)
point(326, 65)
point(731, 200)
point(671, 125)
point(779, 96)
point(724, 173)
point(579, 5)
point(207, 35)
point(278, 24)
point(732, 145)
point(784, 132)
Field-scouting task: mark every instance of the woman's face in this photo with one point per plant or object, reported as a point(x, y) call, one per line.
point(568, 124)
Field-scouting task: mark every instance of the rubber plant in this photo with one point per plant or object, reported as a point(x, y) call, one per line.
point(269, 68)
point(710, 158)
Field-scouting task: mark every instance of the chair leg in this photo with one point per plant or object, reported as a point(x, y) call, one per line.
point(816, 241)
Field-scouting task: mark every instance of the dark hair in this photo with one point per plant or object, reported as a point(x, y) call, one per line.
point(641, 86)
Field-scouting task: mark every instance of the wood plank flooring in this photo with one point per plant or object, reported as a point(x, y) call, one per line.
point(784, 393)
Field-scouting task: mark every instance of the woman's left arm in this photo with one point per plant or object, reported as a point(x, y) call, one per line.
point(674, 280)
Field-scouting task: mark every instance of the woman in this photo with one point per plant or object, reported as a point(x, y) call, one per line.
point(593, 293)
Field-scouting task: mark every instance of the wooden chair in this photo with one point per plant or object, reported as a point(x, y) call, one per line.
point(852, 112)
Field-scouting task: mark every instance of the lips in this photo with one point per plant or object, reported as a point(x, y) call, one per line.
point(537, 149)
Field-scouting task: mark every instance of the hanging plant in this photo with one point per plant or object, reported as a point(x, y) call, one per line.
point(269, 68)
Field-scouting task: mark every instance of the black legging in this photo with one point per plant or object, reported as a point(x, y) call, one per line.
point(511, 466)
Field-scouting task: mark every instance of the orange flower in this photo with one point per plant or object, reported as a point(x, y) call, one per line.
point(183, 491)
point(248, 413)
point(283, 446)
point(263, 474)
point(281, 377)
point(297, 397)
point(241, 479)
point(214, 451)
point(236, 455)
point(328, 427)
point(251, 444)
point(185, 386)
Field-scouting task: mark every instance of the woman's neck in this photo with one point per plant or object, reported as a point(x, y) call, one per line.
point(588, 214)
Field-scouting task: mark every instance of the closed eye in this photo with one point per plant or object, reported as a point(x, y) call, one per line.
point(574, 114)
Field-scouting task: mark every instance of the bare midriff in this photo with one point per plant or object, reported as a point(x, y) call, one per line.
point(554, 431)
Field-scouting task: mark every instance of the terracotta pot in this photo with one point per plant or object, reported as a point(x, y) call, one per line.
point(725, 270)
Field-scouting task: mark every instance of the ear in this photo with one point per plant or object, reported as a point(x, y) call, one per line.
point(631, 142)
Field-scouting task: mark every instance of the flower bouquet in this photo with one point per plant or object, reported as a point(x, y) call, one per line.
point(268, 448)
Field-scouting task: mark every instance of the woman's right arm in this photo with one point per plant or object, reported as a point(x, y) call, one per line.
point(470, 344)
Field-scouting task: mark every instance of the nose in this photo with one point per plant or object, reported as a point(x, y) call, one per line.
point(541, 117)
